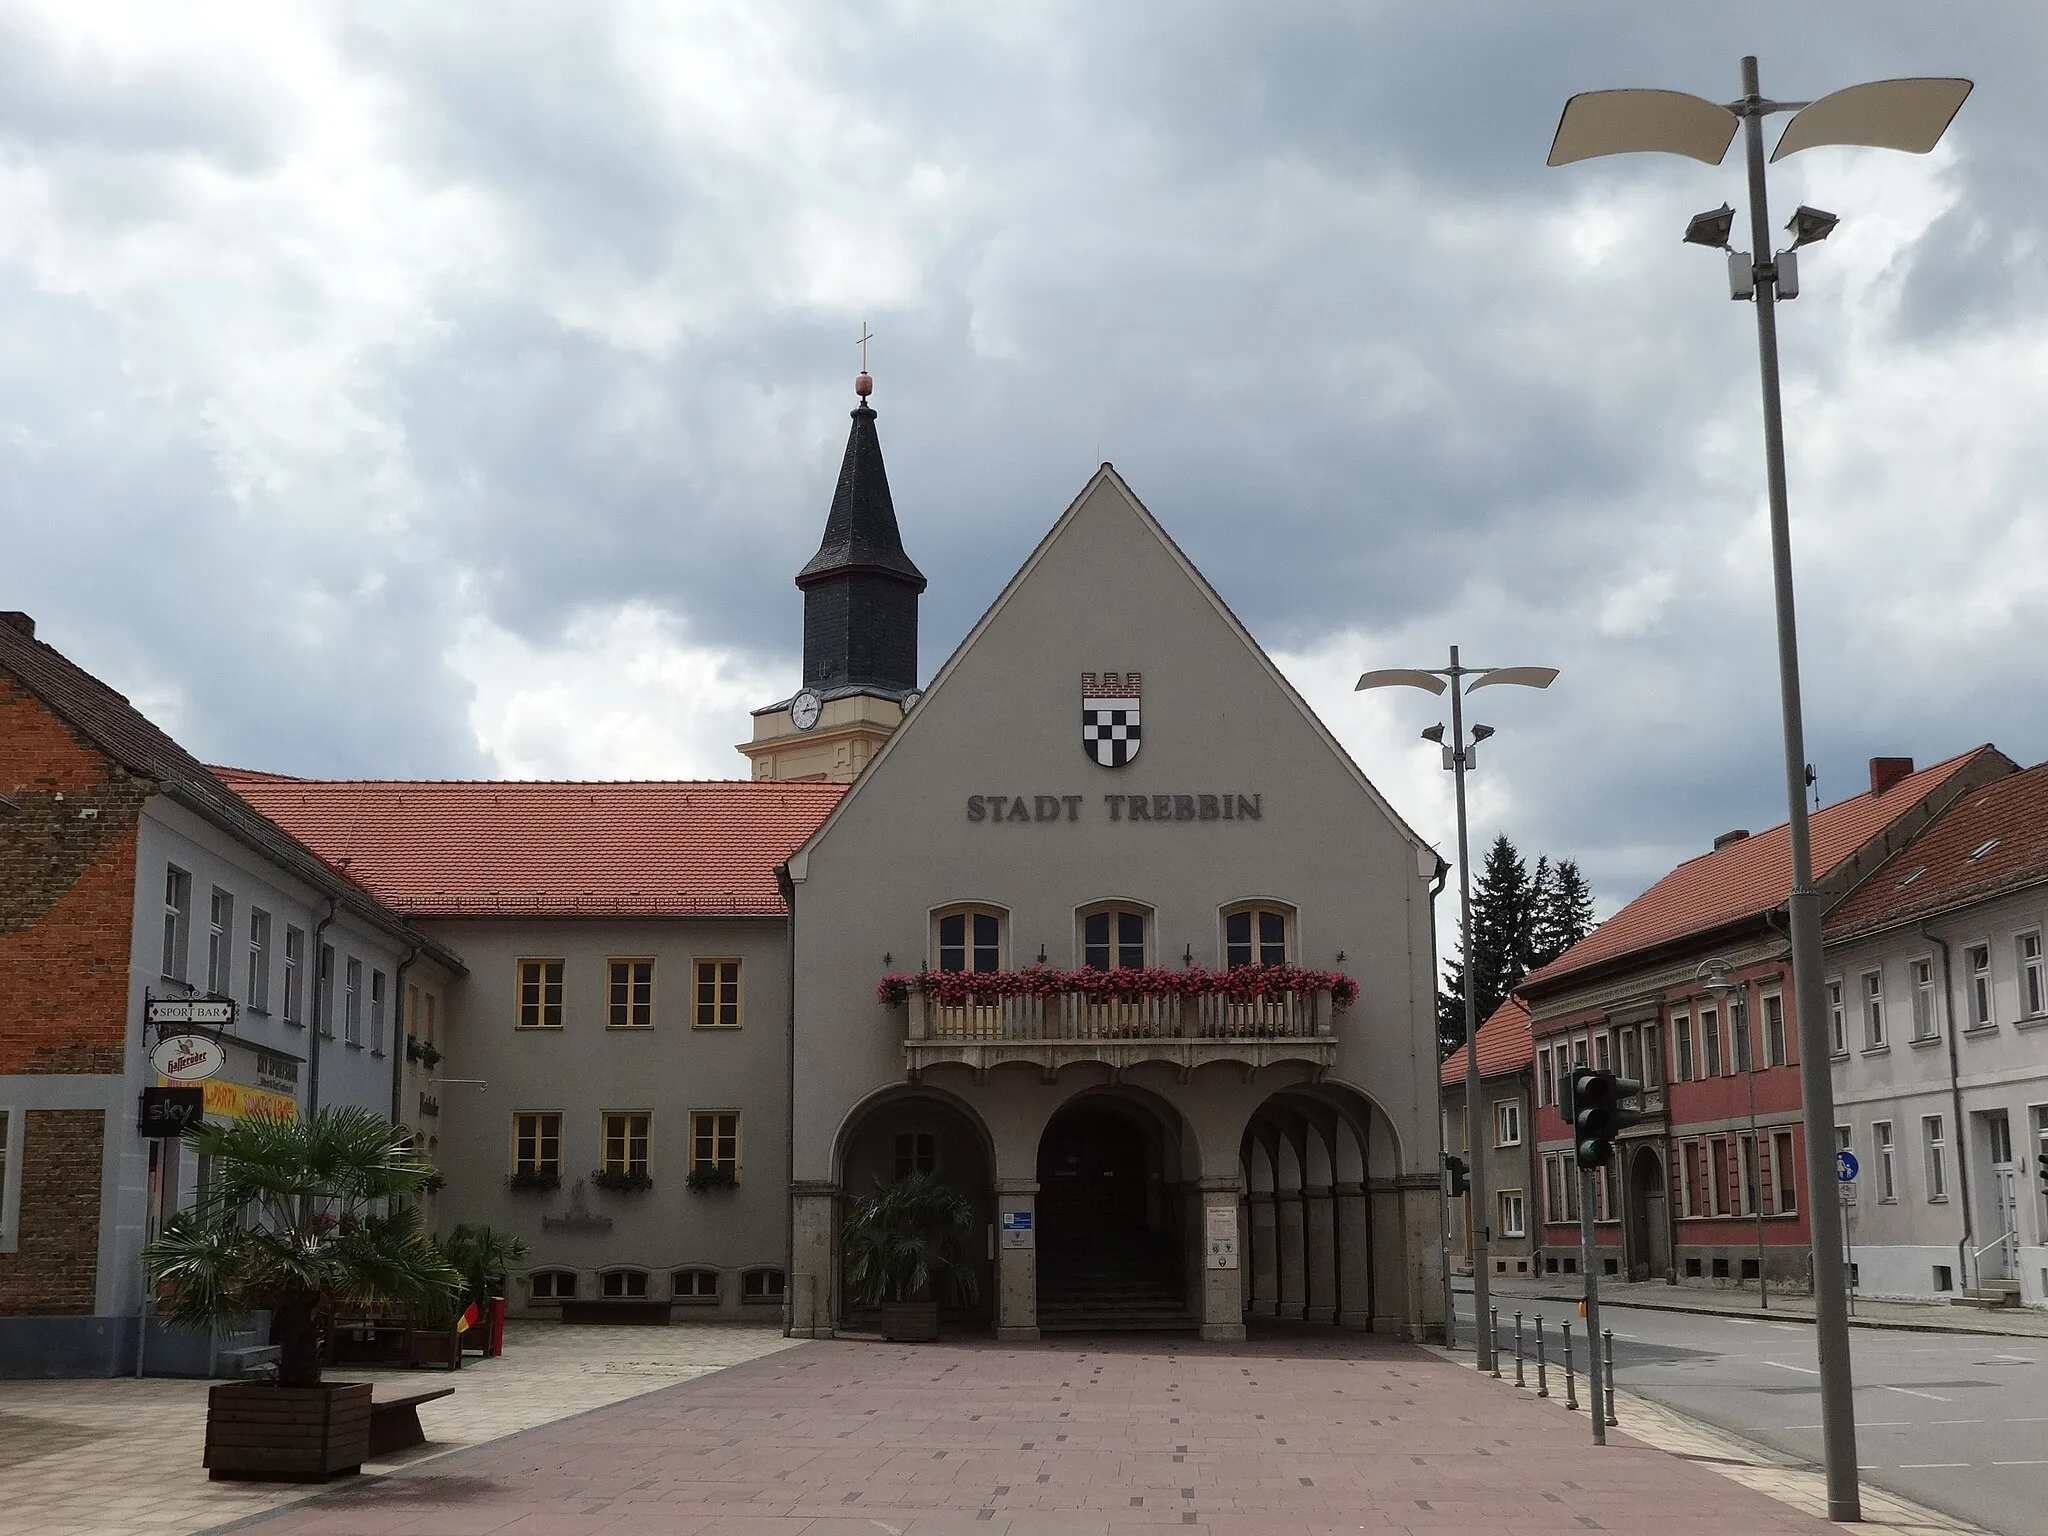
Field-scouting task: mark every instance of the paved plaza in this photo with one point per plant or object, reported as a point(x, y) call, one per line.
point(1313, 1433)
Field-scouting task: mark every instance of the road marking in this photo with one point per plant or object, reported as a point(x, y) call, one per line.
point(1933, 1397)
point(1930, 1466)
point(2020, 1463)
point(1955, 1421)
point(1803, 1370)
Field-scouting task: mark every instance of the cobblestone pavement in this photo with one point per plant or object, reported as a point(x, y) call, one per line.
point(1300, 1434)
point(121, 1457)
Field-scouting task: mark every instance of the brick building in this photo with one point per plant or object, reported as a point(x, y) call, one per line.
point(1688, 989)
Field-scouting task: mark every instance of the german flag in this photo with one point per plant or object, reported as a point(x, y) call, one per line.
point(469, 1319)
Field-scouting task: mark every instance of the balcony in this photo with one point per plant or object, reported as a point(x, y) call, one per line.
point(1054, 1030)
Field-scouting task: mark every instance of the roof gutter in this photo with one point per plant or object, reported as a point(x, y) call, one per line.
point(1955, 1098)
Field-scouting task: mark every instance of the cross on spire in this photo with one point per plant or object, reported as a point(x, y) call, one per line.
point(864, 338)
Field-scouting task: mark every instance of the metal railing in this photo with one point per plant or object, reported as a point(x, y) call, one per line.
point(1075, 1016)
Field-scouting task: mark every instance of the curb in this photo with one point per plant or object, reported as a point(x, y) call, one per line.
point(1896, 1325)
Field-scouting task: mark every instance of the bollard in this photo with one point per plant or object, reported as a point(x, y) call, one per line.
point(1518, 1351)
point(1542, 1368)
point(1610, 1377)
point(1493, 1339)
point(1571, 1394)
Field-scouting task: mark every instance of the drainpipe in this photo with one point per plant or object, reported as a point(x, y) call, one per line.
point(315, 1021)
point(398, 1033)
point(1955, 1096)
point(787, 886)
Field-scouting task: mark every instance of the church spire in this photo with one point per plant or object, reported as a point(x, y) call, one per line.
point(860, 588)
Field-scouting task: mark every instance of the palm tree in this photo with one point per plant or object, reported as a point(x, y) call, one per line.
point(482, 1255)
point(299, 1217)
point(907, 1241)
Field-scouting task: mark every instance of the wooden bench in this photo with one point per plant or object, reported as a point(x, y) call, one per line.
point(617, 1309)
point(395, 1420)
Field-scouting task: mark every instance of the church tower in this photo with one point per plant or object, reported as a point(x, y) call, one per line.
point(860, 629)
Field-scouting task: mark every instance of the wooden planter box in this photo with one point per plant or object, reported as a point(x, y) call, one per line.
point(434, 1346)
point(258, 1432)
point(910, 1322)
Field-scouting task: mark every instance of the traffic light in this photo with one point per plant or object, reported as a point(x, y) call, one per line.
point(1597, 1113)
point(1456, 1169)
point(2042, 1162)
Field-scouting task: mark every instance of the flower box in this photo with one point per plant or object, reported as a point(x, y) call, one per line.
point(622, 1181)
point(263, 1433)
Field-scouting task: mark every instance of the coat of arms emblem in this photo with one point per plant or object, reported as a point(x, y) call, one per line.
point(1109, 716)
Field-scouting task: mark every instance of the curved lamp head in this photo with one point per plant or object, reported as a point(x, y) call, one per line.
point(1712, 974)
point(1909, 115)
point(1521, 677)
point(1623, 122)
point(1400, 677)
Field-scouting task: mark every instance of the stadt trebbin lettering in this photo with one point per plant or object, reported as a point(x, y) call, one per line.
point(1121, 807)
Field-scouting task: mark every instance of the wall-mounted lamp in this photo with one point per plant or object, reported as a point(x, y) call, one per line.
point(1041, 954)
point(887, 957)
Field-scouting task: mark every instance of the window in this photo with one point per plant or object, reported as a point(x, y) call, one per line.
point(1553, 1187)
point(377, 1013)
point(1546, 1081)
point(177, 922)
point(1603, 1194)
point(324, 1003)
point(625, 1142)
point(2033, 984)
point(259, 960)
point(537, 1145)
point(220, 943)
point(1937, 1157)
point(718, 994)
point(1925, 1026)
point(1774, 1030)
point(411, 1021)
point(1255, 936)
point(1751, 1190)
point(1507, 1123)
point(1681, 1037)
point(352, 1002)
point(623, 1284)
point(761, 1285)
point(1688, 1178)
point(1631, 1054)
point(1113, 939)
point(554, 1285)
point(540, 994)
point(1579, 1051)
point(632, 995)
point(1739, 1043)
point(1513, 1221)
point(1602, 1058)
point(1786, 1168)
point(294, 965)
point(1838, 1027)
point(1887, 1173)
point(1710, 1042)
point(432, 1002)
point(1979, 958)
point(916, 1152)
point(970, 940)
point(694, 1285)
point(1873, 1010)
point(715, 1139)
point(6, 1229)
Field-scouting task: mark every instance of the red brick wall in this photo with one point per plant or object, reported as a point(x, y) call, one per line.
point(67, 894)
point(55, 1269)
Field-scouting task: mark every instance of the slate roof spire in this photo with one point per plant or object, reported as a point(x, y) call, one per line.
point(860, 588)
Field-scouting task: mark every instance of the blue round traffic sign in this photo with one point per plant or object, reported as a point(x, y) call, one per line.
point(1846, 1166)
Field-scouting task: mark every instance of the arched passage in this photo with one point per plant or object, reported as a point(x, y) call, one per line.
point(1113, 1246)
point(1649, 1233)
point(920, 1131)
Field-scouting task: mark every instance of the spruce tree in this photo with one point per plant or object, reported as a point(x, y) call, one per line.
point(1563, 914)
point(1520, 920)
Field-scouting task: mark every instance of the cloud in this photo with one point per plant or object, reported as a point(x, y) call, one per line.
point(455, 389)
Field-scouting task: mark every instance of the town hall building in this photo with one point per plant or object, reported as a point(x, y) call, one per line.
point(1101, 927)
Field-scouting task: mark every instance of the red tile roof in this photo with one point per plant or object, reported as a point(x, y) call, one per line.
point(1936, 872)
point(1748, 877)
point(1504, 1045)
point(472, 848)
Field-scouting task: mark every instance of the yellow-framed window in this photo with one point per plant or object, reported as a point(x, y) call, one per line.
point(715, 1139)
point(540, 994)
point(718, 994)
point(1257, 935)
point(632, 995)
point(625, 1141)
point(537, 1142)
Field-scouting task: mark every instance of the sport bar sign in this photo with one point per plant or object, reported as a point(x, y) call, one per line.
point(216, 1011)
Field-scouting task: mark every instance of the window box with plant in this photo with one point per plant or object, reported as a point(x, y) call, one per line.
point(713, 1176)
point(622, 1181)
point(905, 1246)
point(425, 1052)
point(533, 1181)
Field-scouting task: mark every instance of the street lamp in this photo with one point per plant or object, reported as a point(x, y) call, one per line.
point(1713, 975)
point(1909, 115)
point(1458, 757)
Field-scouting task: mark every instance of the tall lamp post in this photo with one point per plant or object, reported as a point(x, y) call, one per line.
point(1458, 757)
point(1909, 115)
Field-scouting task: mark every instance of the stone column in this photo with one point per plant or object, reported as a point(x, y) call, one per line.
point(1354, 1256)
point(814, 1259)
point(1262, 1225)
point(1319, 1221)
point(1016, 1262)
point(1293, 1248)
point(1389, 1258)
point(1222, 1264)
point(1422, 1221)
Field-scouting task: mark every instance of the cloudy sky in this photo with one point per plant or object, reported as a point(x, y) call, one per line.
point(453, 389)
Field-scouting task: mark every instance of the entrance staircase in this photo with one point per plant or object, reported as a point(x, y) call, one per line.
point(1112, 1282)
point(1992, 1294)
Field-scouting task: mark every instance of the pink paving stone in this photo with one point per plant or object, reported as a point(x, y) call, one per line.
point(1293, 1434)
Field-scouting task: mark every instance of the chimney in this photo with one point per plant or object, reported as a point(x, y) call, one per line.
point(15, 619)
point(1887, 771)
point(1730, 837)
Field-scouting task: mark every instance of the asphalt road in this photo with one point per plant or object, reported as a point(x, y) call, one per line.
point(1958, 1422)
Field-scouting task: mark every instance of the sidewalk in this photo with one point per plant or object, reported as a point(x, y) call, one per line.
point(1657, 1296)
point(121, 1457)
